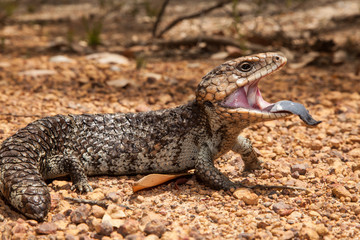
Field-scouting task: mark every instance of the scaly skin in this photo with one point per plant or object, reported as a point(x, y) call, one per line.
point(166, 141)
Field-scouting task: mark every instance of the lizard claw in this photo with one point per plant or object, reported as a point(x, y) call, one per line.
point(82, 187)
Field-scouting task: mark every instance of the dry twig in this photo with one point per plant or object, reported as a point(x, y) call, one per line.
point(92, 202)
point(276, 187)
point(86, 201)
point(20, 115)
point(159, 16)
point(194, 15)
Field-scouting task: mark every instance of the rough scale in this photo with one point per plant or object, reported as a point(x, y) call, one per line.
point(166, 141)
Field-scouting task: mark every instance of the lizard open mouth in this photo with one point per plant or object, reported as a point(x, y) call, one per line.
point(248, 96)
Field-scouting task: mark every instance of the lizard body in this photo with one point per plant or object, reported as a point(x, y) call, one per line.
point(174, 140)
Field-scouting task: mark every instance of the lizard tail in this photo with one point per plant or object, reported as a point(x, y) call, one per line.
point(23, 187)
point(22, 159)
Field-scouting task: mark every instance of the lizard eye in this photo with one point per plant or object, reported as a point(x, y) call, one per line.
point(244, 66)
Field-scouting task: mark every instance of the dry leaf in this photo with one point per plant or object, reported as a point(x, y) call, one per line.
point(155, 180)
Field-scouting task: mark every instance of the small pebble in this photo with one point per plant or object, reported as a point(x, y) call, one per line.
point(46, 228)
point(282, 208)
point(288, 235)
point(355, 153)
point(130, 226)
point(69, 236)
point(309, 233)
point(19, 228)
point(105, 228)
point(249, 197)
point(267, 204)
point(60, 59)
point(300, 168)
point(340, 191)
point(156, 227)
point(200, 208)
point(321, 229)
point(98, 211)
point(80, 214)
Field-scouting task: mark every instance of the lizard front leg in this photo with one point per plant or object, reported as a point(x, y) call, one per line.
point(61, 165)
point(209, 174)
point(244, 147)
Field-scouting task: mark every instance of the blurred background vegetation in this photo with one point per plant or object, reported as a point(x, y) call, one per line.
point(325, 31)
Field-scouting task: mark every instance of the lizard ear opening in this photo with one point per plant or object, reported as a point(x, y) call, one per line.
point(209, 104)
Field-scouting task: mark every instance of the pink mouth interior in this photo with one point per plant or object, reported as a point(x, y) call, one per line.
point(248, 96)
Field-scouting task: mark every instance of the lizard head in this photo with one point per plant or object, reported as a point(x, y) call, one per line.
point(232, 88)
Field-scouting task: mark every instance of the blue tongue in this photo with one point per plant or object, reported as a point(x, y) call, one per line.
point(295, 108)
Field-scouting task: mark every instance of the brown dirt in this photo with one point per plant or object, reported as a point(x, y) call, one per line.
point(324, 160)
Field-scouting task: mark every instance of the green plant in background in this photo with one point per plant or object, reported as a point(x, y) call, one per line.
point(31, 8)
point(134, 10)
point(150, 10)
point(93, 26)
point(236, 21)
point(70, 33)
point(2, 44)
point(7, 9)
point(137, 7)
point(140, 61)
point(93, 23)
point(352, 46)
point(109, 4)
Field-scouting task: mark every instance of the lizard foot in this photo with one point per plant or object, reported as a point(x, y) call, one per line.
point(256, 165)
